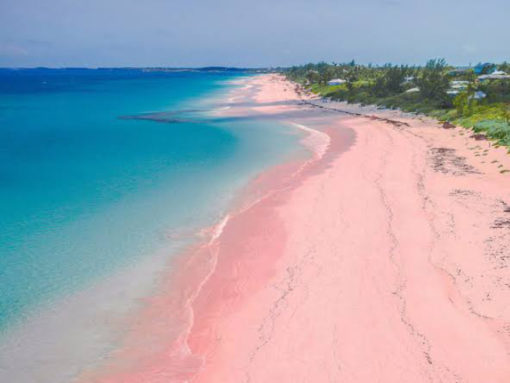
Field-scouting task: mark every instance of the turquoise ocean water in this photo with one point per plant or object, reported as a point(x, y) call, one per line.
point(84, 192)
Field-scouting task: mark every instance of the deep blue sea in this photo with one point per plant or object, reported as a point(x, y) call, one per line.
point(84, 192)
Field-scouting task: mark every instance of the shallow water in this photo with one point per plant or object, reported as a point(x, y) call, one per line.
point(85, 193)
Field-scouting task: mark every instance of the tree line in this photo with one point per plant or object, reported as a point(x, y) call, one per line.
point(433, 80)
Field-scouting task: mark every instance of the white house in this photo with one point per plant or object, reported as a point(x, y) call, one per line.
point(497, 75)
point(336, 81)
point(458, 84)
point(479, 95)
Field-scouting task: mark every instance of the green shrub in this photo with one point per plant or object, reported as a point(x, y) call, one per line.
point(497, 130)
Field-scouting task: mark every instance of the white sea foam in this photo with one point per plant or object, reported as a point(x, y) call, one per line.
point(316, 141)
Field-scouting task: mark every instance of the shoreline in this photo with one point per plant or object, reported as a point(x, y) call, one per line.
point(79, 331)
point(195, 267)
point(383, 259)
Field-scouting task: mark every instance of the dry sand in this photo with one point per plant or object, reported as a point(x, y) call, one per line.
point(381, 258)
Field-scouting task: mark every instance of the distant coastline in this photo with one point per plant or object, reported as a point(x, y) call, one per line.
point(148, 69)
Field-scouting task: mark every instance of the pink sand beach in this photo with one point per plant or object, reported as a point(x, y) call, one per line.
point(381, 257)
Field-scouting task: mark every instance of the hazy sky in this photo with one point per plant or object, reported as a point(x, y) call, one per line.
point(250, 33)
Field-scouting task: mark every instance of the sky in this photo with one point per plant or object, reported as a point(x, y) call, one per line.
point(258, 33)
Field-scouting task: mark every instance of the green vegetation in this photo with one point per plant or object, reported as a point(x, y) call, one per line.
point(498, 131)
point(436, 89)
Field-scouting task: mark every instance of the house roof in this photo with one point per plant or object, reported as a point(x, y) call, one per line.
point(336, 80)
point(494, 76)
